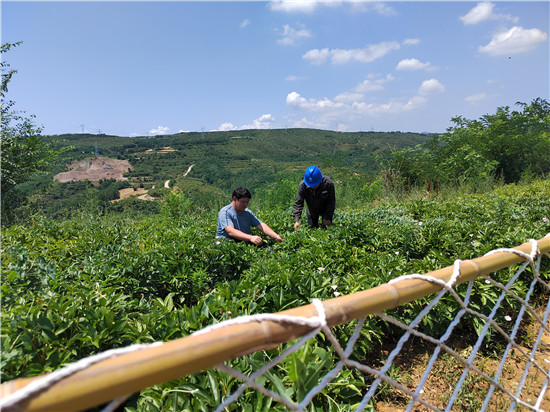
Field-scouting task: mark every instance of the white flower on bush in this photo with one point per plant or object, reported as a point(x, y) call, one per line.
point(334, 287)
point(218, 242)
point(544, 219)
point(320, 269)
point(336, 293)
point(419, 223)
point(508, 318)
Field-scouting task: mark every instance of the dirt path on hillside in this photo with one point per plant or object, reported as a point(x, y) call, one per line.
point(167, 183)
point(188, 170)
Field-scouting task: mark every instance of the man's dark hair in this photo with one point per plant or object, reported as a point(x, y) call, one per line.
point(241, 192)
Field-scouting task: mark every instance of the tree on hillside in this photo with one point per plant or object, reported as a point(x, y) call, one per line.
point(23, 151)
point(506, 145)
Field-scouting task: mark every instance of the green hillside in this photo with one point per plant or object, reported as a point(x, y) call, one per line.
point(221, 157)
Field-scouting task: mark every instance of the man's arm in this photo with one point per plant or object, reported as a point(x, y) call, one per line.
point(238, 235)
point(264, 228)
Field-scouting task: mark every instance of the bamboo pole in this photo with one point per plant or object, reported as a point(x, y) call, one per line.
point(129, 373)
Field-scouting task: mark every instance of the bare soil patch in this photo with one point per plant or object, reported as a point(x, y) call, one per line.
point(101, 168)
point(95, 169)
point(140, 192)
point(165, 149)
point(410, 364)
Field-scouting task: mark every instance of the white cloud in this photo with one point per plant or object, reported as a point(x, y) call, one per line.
point(413, 64)
point(484, 11)
point(515, 40)
point(314, 105)
point(245, 22)
point(350, 106)
point(474, 98)
point(292, 78)
point(379, 7)
point(290, 35)
point(481, 12)
point(294, 99)
point(308, 6)
point(224, 127)
point(292, 6)
point(411, 42)
point(341, 56)
point(349, 97)
point(265, 121)
point(431, 86)
point(392, 107)
point(372, 84)
point(159, 130)
point(306, 123)
point(316, 56)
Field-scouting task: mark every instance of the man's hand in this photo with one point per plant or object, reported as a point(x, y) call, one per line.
point(257, 240)
point(264, 228)
point(296, 225)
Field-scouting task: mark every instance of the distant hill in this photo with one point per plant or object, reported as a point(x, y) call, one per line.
point(253, 157)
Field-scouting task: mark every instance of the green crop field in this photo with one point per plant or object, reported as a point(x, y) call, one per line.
point(76, 287)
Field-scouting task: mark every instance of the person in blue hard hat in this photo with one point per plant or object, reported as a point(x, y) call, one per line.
point(318, 193)
point(235, 220)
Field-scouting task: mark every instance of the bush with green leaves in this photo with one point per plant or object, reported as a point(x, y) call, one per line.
point(506, 145)
point(25, 152)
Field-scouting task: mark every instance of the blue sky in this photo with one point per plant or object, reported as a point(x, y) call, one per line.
point(149, 68)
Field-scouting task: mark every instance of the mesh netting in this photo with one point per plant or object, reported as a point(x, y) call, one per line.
point(517, 375)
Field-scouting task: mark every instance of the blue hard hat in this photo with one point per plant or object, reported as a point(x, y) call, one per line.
point(312, 176)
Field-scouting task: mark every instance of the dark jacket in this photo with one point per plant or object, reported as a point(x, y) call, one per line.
point(320, 201)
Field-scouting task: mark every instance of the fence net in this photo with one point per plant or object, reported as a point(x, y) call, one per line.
point(429, 361)
point(452, 377)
